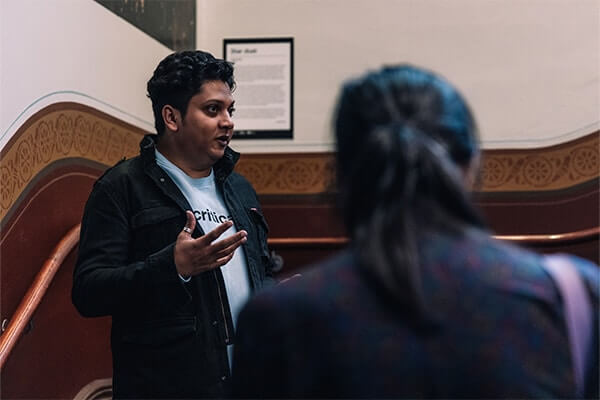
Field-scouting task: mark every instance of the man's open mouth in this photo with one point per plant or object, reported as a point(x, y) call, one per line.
point(224, 140)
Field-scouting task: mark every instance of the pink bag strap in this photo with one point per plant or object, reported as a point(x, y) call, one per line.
point(577, 310)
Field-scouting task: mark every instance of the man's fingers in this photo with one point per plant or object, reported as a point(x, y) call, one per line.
point(231, 247)
point(215, 233)
point(221, 261)
point(190, 223)
point(222, 244)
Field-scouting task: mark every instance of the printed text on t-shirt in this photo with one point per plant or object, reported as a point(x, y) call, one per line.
point(208, 215)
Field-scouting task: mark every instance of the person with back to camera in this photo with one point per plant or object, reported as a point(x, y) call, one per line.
point(173, 241)
point(424, 302)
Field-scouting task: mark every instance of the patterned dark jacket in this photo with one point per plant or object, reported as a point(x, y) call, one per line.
point(168, 338)
point(500, 331)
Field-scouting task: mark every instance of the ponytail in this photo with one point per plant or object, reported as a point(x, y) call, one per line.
point(403, 183)
point(403, 135)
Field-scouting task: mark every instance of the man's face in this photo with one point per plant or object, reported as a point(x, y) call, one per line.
point(207, 127)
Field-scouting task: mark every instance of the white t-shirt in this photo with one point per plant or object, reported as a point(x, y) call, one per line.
point(210, 211)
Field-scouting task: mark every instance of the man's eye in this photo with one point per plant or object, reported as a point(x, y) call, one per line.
point(212, 109)
point(231, 111)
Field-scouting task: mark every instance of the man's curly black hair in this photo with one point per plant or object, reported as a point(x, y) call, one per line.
point(180, 76)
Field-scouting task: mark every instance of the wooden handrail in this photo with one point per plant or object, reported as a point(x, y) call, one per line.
point(38, 288)
point(556, 238)
point(36, 292)
point(524, 239)
point(308, 241)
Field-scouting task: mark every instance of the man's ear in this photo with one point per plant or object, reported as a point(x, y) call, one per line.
point(172, 118)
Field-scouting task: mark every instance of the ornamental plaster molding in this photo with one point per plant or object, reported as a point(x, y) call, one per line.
point(75, 131)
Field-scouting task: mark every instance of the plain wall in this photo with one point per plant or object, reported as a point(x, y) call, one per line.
point(72, 50)
point(530, 68)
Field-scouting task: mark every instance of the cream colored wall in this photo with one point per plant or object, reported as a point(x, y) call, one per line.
point(72, 50)
point(530, 69)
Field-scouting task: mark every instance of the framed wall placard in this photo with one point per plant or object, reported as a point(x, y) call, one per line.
point(264, 87)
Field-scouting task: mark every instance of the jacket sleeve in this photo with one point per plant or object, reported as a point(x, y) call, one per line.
point(104, 281)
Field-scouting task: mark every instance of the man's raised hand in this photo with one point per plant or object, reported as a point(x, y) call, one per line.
point(193, 256)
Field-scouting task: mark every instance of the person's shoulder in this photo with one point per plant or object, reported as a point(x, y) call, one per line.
point(123, 171)
point(484, 262)
point(239, 180)
point(517, 266)
point(517, 255)
point(476, 248)
point(489, 249)
point(312, 283)
point(243, 190)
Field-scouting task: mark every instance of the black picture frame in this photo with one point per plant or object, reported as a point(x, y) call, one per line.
point(257, 59)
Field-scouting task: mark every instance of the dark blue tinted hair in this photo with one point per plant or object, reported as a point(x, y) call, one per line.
point(405, 137)
point(409, 96)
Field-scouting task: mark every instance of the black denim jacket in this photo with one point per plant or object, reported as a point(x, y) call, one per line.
point(168, 337)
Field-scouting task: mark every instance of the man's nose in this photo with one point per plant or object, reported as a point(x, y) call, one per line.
point(226, 121)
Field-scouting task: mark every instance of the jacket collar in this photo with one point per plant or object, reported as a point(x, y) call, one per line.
point(222, 168)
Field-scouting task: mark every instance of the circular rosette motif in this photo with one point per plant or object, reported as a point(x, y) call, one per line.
point(83, 135)
point(537, 171)
point(130, 145)
point(44, 139)
point(298, 176)
point(99, 141)
point(24, 160)
point(114, 151)
point(7, 187)
point(64, 133)
point(254, 174)
point(585, 161)
point(493, 172)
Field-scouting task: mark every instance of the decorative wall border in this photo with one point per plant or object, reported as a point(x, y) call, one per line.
point(550, 168)
point(72, 130)
point(289, 173)
point(527, 170)
point(62, 131)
